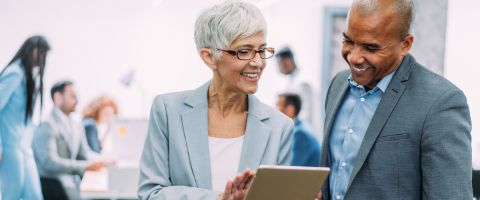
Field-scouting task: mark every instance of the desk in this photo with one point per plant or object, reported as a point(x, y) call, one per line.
point(116, 182)
point(107, 195)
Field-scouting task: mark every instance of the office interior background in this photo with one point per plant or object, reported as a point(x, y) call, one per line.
point(134, 50)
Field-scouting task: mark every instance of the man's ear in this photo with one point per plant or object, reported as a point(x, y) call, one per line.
point(208, 58)
point(407, 44)
point(57, 98)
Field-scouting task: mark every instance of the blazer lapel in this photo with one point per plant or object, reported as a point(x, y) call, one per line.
point(195, 127)
point(389, 100)
point(337, 98)
point(256, 136)
point(330, 116)
point(63, 131)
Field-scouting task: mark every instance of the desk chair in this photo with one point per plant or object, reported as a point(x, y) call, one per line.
point(476, 183)
point(52, 189)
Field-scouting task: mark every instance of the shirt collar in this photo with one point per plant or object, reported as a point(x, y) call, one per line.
point(64, 118)
point(382, 85)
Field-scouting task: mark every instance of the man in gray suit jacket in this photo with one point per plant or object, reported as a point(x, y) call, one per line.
point(60, 149)
point(393, 129)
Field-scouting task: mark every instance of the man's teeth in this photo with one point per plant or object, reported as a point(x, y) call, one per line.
point(250, 75)
point(360, 69)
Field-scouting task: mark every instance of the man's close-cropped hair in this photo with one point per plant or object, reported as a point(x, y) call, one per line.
point(59, 87)
point(294, 100)
point(404, 10)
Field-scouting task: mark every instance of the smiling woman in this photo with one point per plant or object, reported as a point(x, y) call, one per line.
point(199, 140)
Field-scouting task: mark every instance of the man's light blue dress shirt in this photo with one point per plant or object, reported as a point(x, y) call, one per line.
point(350, 125)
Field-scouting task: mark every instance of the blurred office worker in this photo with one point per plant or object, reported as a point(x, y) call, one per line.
point(393, 129)
point(288, 67)
point(97, 121)
point(199, 139)
point(306, 150)
point(60, 147)
point(21, 81)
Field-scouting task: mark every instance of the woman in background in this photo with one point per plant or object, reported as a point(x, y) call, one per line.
point(199, 141)
point(97, 120)
point(21, 81)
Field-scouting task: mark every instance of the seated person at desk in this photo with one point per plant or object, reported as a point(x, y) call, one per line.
point(60, 149)
point(199, 140)
point(97, 120)
point(306, 150)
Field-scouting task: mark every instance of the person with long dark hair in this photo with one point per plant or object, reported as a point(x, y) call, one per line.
point(21, 81)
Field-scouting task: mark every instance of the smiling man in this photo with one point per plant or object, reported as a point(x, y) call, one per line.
point(393, 129)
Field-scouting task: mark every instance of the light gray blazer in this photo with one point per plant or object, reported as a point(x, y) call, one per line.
point(175, 162)
point(61, 152)
point(417, 145)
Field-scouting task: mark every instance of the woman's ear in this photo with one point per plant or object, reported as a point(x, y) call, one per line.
point(208, 58)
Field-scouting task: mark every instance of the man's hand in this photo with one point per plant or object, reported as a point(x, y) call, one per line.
point(319, 196)
point(96, 166)
point(237, 189)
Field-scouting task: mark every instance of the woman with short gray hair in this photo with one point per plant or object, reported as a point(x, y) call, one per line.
point(206, 143)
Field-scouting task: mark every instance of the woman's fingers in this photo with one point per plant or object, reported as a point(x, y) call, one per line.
point(228, 190)
point(245, 178)
point(248, 182)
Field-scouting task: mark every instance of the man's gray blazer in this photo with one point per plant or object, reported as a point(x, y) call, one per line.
point(417, 145)
point(175, 162)
point(60, 152)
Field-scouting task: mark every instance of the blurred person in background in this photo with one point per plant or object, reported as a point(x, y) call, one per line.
point(60, 147)
point(286, 62)
point(204, 143)
point(21, 81)
point(288, 66)
point(306, 150)
point(97, 120)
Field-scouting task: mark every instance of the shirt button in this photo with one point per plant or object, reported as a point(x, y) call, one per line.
point(338, 197)
point(343, 164)
point(350, 130)
point(362, 99)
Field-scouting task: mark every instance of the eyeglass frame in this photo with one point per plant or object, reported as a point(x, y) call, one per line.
point(235, 52)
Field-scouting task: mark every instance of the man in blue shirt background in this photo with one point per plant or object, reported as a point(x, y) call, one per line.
point(306, 149)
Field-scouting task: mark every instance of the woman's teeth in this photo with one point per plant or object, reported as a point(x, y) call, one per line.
point(248, 75)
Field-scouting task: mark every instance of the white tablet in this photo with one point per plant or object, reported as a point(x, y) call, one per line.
point(287, 182)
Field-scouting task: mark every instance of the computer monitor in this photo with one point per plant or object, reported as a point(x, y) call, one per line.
point(128, 139)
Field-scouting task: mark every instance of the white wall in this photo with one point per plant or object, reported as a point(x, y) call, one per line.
point(462, 52)
point(95, 42)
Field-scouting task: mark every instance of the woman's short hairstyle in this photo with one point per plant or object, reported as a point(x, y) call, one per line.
point(219, 26)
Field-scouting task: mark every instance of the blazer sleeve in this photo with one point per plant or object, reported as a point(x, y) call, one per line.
point(91, 134)
point(154, 167)
point(285, 153)
point(85, 153)
point(446, 156)
point(9, 82)
point(45, 150)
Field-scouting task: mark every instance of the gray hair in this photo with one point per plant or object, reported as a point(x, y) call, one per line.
point(403, 9)
point(220, 25)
